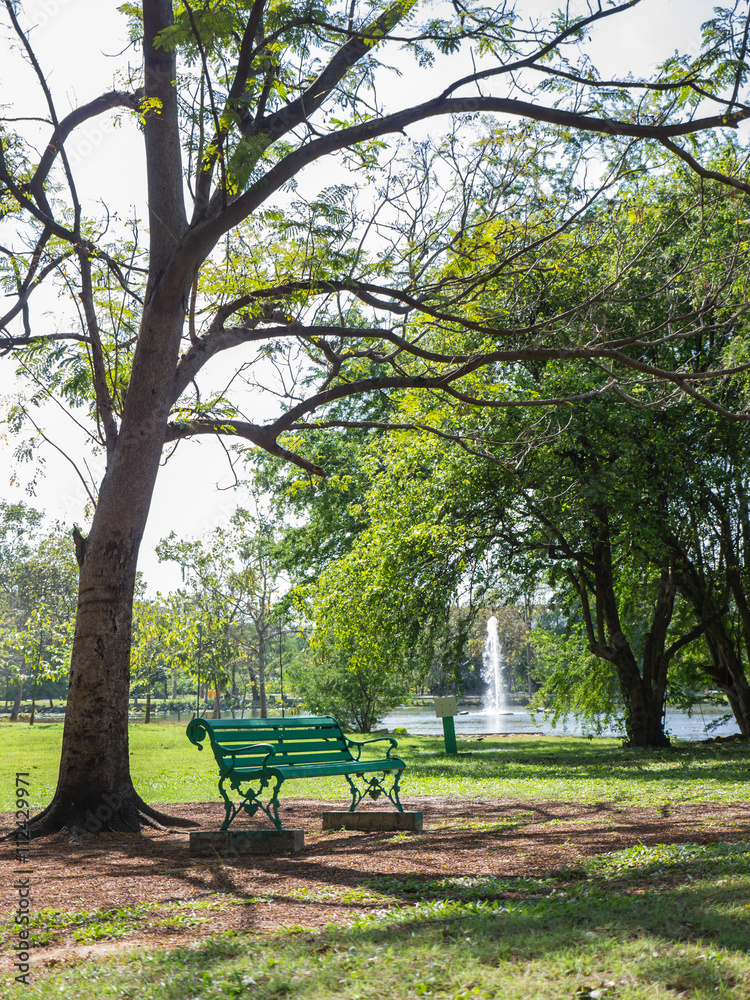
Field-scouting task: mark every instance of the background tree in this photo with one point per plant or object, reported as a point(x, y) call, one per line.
point(41, 644)
point(607, 493)
point(156, 644)
point(235, 102)
point(37, 598)
point(233, 585)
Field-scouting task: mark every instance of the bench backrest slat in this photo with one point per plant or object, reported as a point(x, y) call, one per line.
point(295, 753)
point(322, 748)
point(279, 760)
point(243, 737)
point(275, 722)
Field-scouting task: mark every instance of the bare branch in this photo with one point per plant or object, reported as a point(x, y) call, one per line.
point(203, 236)
point(529, 61)
point(65, 455)
point(8, 343)
point(106, 102)
point(31, 282)
point(704, 172)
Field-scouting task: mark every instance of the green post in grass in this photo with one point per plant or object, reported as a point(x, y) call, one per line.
point(449, 732)
point(445, 709)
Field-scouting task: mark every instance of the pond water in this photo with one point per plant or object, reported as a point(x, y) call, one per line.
point(421, 720)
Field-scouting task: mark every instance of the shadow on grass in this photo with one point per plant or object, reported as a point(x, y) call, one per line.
point(517, 834)
point(532, 760)
point(681, 939)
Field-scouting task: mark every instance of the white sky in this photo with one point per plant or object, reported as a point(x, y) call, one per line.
point(80, 44)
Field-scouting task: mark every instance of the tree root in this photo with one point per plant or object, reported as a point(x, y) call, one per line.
point(104, 813)
point(159, 820)
point(659, 743)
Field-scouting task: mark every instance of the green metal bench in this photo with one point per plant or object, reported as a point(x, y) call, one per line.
point(259, 752)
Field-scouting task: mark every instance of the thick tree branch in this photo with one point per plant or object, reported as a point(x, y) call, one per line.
point(166, 203)
point(704, 172)
point(461, 365)
point(271, 127)
point(262, 437)
point(693, 634)
point(104, 405)
point(280, 122)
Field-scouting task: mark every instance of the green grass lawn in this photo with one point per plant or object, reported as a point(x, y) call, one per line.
point(167, 768)
point(649, 923)
point(664, 922)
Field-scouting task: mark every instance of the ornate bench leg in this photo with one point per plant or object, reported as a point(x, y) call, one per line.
point(252, 801)
point(230, 809)
point(375, 787)
point(356, 794)
point(393, 794)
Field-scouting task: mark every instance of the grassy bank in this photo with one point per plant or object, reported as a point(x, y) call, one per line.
point(167, 769)
point(656, 923)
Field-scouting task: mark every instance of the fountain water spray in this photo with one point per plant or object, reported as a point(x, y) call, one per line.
point(492, 659)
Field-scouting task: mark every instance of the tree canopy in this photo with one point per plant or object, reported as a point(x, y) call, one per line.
point(632, 516)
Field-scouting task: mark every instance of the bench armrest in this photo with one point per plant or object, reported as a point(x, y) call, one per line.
point(252, 746)
point(377, 739)
point(198, 729)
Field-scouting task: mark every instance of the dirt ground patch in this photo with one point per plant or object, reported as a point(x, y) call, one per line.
point(310, 889)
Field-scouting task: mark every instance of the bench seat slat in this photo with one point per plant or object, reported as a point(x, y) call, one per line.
point(284, 760)
point(280, 758)
point(324, 753)
point(321, 769)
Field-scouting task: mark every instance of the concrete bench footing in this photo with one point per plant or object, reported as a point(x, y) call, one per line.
point(411, 821)
point(236, 843)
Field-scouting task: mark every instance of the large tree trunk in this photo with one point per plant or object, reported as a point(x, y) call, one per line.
point(729, 675)
point(726, 669)
point(643, 690)
point(644, 711)
point(95, 791)
point(644, 702)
